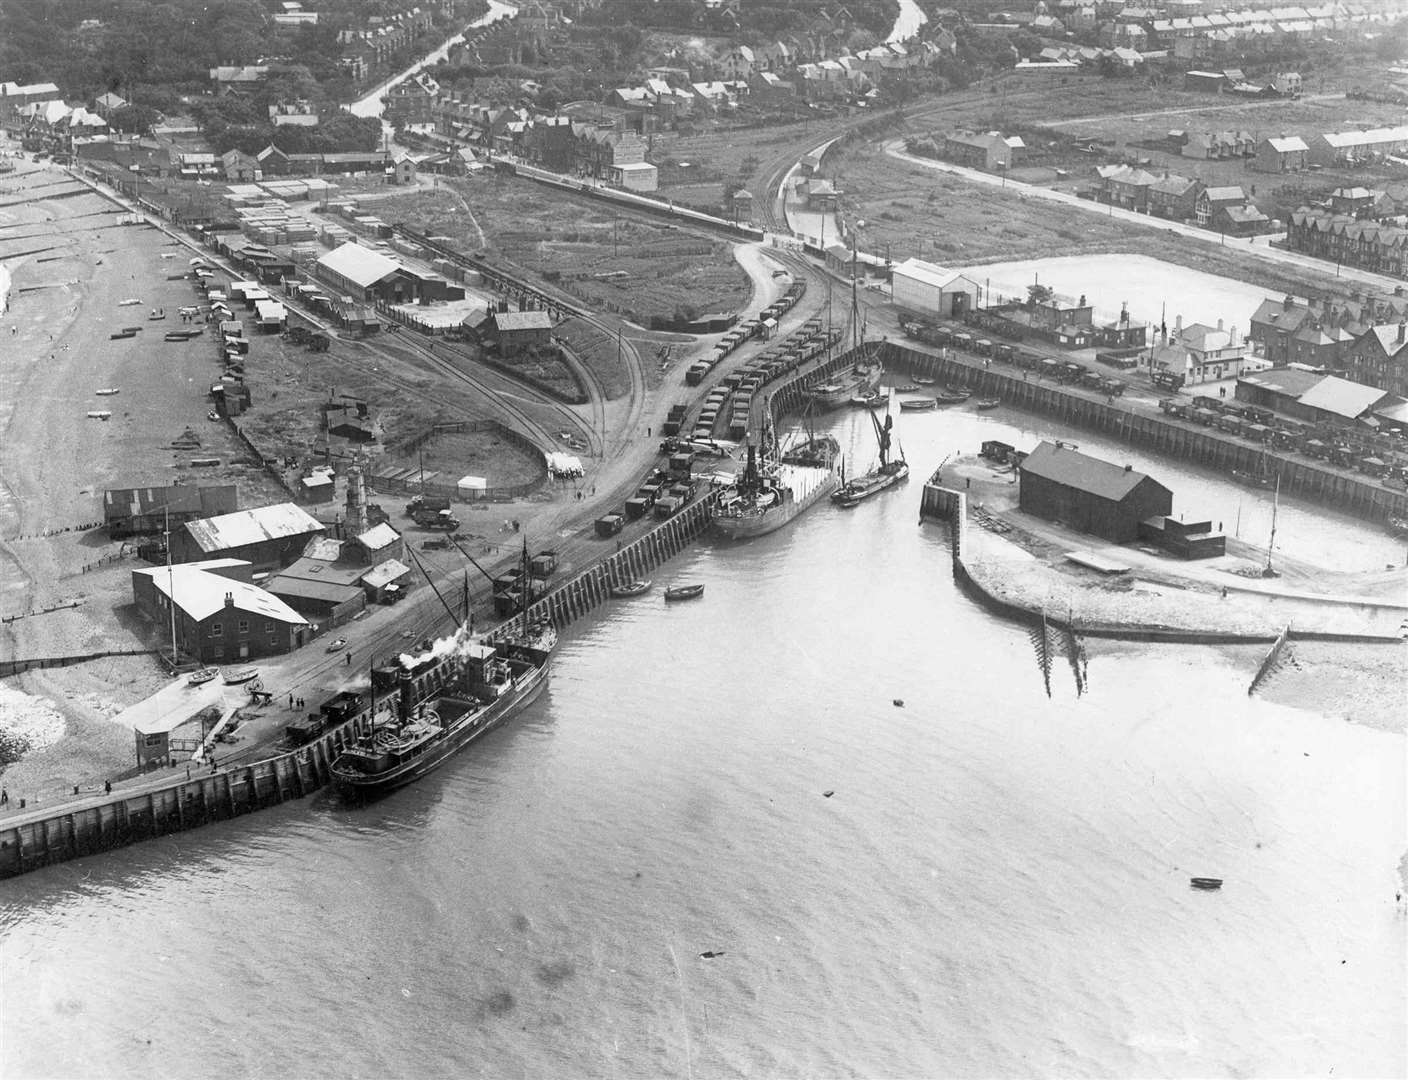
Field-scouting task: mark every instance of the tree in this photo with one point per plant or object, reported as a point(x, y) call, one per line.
point(1039, 294)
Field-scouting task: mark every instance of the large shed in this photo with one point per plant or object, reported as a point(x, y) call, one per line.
point(1088, 494)
point(269, 537)
point(926, 289)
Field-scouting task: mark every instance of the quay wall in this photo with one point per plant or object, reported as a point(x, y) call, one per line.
point(1310, 480)
point(945, 504)
point(29, 840)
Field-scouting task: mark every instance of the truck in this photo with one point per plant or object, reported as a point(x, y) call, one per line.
point(433, 503)
point(435, 519)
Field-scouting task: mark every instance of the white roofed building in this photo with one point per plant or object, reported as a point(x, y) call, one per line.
point(925, 289)
point(269, 537)
point(218, 618)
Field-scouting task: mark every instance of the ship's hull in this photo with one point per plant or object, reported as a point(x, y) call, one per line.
point(856, 492)
point(354, 785)
point(748, 525)
point(840, 393)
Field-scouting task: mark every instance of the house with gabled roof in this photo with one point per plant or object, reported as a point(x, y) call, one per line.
point(1173, 196)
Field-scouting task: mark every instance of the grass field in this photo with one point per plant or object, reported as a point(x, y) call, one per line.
point(639, 270)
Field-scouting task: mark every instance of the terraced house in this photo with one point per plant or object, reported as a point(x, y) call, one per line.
point(1340, 238)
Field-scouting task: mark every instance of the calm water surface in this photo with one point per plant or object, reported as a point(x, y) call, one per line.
point(997, 885)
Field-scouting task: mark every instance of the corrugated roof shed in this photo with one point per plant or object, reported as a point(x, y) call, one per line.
point(360, 265)
point(178, 499)
point(522, 320)
point(927, 273)
point(251, 527)
point(1073, 469)
point(328, 592)
point(1290, 382)
point(1342, 397)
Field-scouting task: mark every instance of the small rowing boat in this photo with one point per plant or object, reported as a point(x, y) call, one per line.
point(925, 380)
point(916, 404)
point(950, 396)
point(907, 388)
point(987, 403)
point(108, 391)
point(1206, 882)
point(683, 592)
point(627, 589)
point(204, 675)
point(240, 675)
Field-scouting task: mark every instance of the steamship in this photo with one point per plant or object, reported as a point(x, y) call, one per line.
point(454, 701)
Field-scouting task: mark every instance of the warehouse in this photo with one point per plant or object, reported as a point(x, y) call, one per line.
point(926, 289)
point(146, 511)
point(1089, 495)
point(217, 617)
point(269, 537)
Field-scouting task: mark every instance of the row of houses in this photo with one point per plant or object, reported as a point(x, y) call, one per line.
point(1225, 208)
point(1331, 334)
point(1374, 245)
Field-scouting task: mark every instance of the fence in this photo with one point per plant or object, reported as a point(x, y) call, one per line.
point(410, 483)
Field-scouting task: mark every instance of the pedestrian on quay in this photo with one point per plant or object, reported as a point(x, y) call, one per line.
point(290, 701)
point(4, 797)
point(107, 787)
point(349, 659)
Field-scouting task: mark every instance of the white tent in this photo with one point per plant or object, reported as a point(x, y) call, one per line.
point(472, 487)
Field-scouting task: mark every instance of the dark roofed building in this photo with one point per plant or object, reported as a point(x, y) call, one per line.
point(1090, 495)
point(145, 511)
point(517, 331)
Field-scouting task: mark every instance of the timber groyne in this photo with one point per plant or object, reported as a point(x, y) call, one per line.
point(40, 837)
point(1308, 479)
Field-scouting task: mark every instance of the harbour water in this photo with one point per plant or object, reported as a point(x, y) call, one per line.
point(842, 778)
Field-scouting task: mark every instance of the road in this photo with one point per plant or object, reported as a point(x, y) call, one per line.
point(372, 103)
point(1258, 246)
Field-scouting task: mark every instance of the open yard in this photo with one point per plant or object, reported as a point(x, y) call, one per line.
point(640, 270)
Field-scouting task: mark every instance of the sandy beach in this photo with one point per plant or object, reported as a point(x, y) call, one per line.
point(74, 261)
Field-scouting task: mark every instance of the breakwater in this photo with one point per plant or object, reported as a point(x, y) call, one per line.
point(945, 504)
point(40, 837)
point(1308, 479)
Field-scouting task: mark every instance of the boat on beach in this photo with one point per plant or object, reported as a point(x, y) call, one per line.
point(907, 388)
point(235, 676)
point(870, 399)
point(1398, 525)
point(683, 592)
point(627, 589)
point(204, 675)
point(952, 395)
point(987, 404)
point(1207, 883)
point(918, 404)
point(925, 380)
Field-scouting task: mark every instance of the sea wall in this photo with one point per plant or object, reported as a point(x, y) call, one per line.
point(1308, 479)
point(34, 838)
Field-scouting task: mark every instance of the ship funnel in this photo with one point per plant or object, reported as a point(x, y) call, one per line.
point(406, 700)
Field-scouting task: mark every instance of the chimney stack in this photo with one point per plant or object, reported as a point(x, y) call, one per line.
point(406, 699)
point(1219, 324)
point(1400, 333)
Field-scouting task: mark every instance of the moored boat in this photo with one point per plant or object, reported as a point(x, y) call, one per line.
point(870, 399)
point(951, 395)
point(1398, 525)
point(1205, 882)
point(764, 498)
point(204, 675)
point(683, 592)
point(836, 392)
point(918, 404)
point(925, 380)
point(907, 388)
point(627, 589)
point(1254, 479)
point(885, 475)
point(988, 403)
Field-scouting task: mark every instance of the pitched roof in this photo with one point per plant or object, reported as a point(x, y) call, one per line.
point(1071, 468)
point(1341, 397)
point(251, 527)
point(927, 273)
point(362, 266)
point(378, 537)
point(208, 499)
point(200, 594)
point(522, 320)
point(1287, 144)
point(385, 573)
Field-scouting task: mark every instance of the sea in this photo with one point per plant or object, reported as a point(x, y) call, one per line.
point(825, 821)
